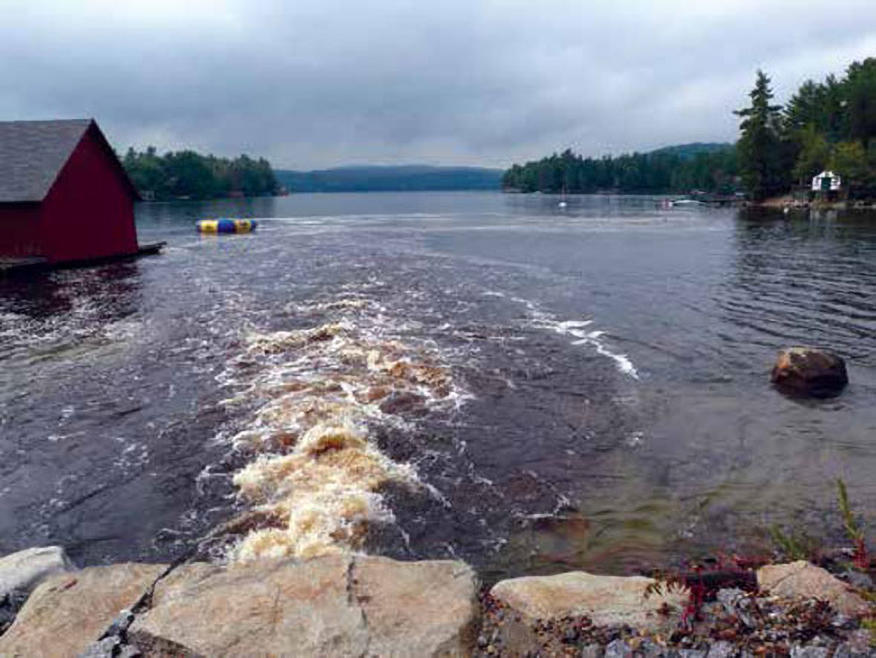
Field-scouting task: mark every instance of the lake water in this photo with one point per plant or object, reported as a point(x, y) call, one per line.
point(425, 375)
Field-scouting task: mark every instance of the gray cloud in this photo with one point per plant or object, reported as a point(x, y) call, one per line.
point(314, 83)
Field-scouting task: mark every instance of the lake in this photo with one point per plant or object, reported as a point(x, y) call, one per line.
point(526, 387)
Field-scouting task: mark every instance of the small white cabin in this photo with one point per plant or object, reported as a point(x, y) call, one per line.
point(826, 181)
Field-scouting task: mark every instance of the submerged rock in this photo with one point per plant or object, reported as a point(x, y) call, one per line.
point(802, 580)
point(70, 611)
point(336, 605)
point(809, 371)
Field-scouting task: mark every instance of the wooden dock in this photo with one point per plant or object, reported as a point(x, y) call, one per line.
point(34, 263)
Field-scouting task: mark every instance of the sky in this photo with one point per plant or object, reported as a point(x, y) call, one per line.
point(320, 83)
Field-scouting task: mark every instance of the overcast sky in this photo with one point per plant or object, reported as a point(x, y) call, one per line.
point(315, 83)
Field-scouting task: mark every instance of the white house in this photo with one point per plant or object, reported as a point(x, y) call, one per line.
point(826, 181)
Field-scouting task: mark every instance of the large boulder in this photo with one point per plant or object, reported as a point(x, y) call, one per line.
point(802, 580)
point(810, 372)
point(331, 606)
point(606, 600)
point(24, 570)
point(68, 611)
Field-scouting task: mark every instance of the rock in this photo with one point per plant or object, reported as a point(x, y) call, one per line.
point(417, 608)
point(721, 650)
point(104, 648)
point(335, 605)
point(737, 603)
point(592, 651)
point(69, 611)
point(605, 600)
point(618, 649)
point(691, 653)
point(802, 580)
point(24, 570)
point(858, 579)
point(809, 652)
point(808, 371)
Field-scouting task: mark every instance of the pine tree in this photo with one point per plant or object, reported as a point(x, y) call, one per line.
point(761, 151)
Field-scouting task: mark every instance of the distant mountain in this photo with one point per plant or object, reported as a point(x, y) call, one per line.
point(689, 151)
point(390, 179)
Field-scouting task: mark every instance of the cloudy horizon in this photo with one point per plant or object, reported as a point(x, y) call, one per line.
point(329, 83)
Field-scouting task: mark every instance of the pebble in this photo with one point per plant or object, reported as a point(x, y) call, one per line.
point(618, 649)
point(721, 650)
point(809, 652)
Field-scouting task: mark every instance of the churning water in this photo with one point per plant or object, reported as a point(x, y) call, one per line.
point(479, 375)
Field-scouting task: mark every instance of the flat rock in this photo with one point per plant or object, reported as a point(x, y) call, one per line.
point(605, 600)
point(331, 606)
point(802, 580)
point(69, 611)
point(809, 371)
point(24, 570)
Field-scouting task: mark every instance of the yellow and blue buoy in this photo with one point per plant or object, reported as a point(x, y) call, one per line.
point(226, 225)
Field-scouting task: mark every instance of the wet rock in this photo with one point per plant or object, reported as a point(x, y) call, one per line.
point(24, 570)
point(69, 611)
point(809, 371)
point(802, 580)
point(330, 606)
point(403, 402)
point(691, 653)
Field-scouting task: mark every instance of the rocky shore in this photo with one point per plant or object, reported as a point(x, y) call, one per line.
point(358, 605)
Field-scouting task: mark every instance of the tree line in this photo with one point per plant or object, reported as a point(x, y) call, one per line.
point(190, 175)
point(825, 125)
point(665, 170)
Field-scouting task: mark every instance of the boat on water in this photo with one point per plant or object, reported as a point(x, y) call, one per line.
point(226, 225)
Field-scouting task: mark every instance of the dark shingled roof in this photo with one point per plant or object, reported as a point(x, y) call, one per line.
point(32, 154)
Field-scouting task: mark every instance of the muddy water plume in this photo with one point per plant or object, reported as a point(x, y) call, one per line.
point(314, 472)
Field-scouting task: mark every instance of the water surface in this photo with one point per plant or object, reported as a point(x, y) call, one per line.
point(610, 404)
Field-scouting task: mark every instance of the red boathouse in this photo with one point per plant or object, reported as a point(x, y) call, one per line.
point(64, 195)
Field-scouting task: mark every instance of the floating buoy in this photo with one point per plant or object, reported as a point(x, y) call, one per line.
point(226, 225)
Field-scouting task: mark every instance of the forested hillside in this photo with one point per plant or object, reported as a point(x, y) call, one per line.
point(384, 179)
point(708, 167)
point(189, 175)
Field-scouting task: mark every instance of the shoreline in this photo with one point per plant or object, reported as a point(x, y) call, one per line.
point(351, 604)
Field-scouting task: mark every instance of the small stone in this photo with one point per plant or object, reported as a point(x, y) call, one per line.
point(570, 636)
point(858, 579)
point(798, 651)
point(104, 648)
point(482, 641)
point(618, 649)
point(128, 651)
point(691, 653)
point(721, 650)
point(592, 651)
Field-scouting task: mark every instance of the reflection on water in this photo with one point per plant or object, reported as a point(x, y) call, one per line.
point(610, 364)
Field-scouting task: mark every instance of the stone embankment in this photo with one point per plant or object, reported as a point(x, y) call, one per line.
point(354, 605)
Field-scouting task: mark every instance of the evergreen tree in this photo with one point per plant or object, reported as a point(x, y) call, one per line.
point(761, 151)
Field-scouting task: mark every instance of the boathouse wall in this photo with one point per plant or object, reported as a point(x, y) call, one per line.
point(89, 210)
